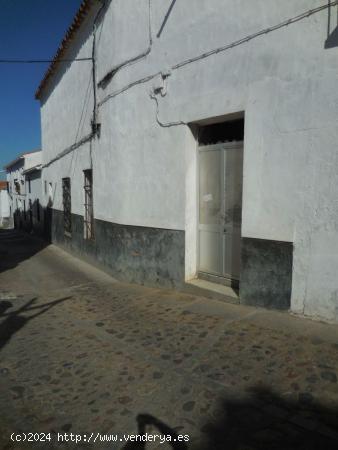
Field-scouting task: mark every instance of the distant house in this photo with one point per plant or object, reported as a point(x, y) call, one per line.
point(25, 191)
point(198, 140)
point(5, 213)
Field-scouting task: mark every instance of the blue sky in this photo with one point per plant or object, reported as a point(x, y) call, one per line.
point(29, 29)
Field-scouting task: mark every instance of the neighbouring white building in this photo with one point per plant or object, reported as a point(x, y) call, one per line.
point(5, 213)
point(25, 191)
point(199, 138)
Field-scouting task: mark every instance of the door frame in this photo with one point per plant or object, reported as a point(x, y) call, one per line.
point(212, 147)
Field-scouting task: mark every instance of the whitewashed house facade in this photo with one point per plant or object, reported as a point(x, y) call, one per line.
point(5, 212)
point(199, 139)
point(25, 191)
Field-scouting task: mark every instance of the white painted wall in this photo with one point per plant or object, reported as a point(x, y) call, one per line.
point(15, 173)
point(4, 208)
point(32, 159)
point(34, 196)
point(145, 174)
point(20, 202)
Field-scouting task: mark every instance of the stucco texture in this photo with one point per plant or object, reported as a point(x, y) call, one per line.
point(144, 162)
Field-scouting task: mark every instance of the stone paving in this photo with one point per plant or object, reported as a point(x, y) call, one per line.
point(81, 353)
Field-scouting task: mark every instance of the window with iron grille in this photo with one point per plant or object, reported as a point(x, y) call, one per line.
point(17, 187)
point(67, 205)
point(30, 211)
point(88, 204)
point(38, 209)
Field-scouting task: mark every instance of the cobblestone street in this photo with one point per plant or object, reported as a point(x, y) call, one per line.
point(83, 353)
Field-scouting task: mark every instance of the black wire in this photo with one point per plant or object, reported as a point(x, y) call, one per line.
point(38, 61)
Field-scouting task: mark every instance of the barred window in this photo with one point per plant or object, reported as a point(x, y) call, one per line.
point(38, 209)
point(88, 205)
point(30, 211)
point(67, 205)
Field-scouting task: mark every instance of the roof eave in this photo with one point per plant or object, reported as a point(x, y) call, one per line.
point(79, 18)
point(33, 169)
point(21, 156)
point(12, 163)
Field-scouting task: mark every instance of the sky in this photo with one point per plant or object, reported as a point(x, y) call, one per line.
point(29, 29)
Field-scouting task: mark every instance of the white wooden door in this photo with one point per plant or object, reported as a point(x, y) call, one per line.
point(220, 209)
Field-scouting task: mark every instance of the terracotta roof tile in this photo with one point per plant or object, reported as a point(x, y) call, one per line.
point(70, 33)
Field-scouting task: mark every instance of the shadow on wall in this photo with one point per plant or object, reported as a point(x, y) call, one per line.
point(15, 247)
point(30, 218)
point(15, 320)
point(35, 219)
point(262, 421)
point(332, 27)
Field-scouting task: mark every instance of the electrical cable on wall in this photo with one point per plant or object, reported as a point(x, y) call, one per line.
point(89, 137)
point(248, 38)
point(70, 149)
point(94, 119)
point(225, 47)
point(181, 64)
point(40, 61)
point(107, 78)
point(130, 85)
point(164, 124)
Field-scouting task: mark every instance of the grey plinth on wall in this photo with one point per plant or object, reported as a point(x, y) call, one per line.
point(143, 255)
point(266, 273)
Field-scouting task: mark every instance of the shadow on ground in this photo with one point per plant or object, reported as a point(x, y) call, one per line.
point(262, 421)
point(15, 321)
point(144, 421)
point(15, 247)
